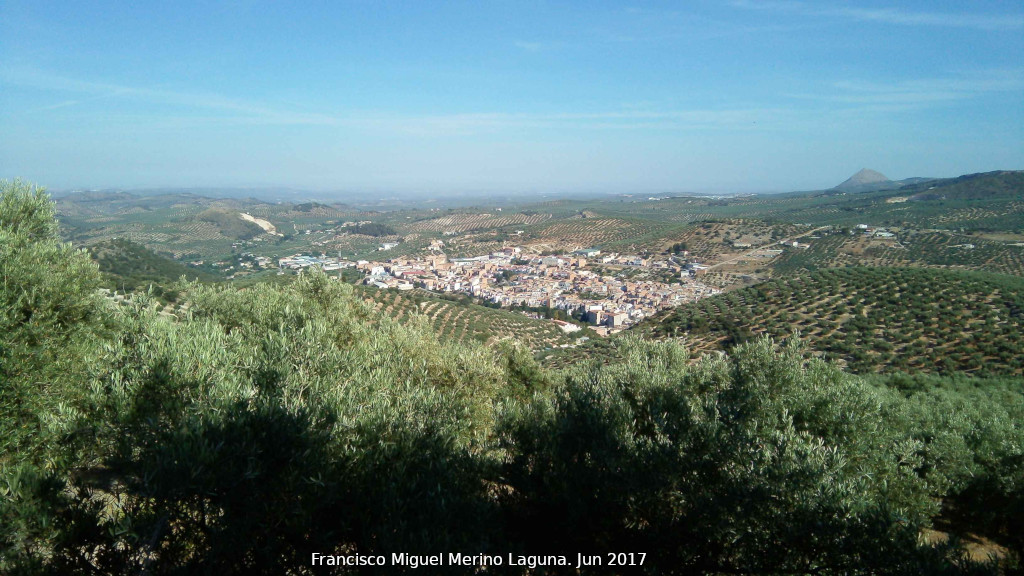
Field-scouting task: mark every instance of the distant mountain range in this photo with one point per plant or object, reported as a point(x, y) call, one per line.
point(867, 180)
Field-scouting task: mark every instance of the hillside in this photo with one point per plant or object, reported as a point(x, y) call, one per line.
point(865, 180)
point(191, 227)
point(871, 319)
point(461, 322)
point(230, 223)
point(980, 186)
point(277, 420)
point(985, 202)
point(930, 249)
point(128, 265)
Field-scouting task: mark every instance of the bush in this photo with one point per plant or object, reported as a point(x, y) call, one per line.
point(277, 420)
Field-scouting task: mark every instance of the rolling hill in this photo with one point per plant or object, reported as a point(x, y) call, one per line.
point(127, 265)
point(871, 319)
point(980, 186)
point(865, 180)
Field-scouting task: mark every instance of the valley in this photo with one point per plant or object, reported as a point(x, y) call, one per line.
point(572, 271)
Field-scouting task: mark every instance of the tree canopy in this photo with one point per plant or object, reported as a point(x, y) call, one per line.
point(269, 422)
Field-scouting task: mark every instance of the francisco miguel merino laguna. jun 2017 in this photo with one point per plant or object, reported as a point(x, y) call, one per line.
point(460, 559)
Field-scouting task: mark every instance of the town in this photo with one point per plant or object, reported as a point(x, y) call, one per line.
point(514, 279)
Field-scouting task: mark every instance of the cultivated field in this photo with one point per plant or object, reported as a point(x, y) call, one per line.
point(459, 321)
point(872, 319)
point(459, 223)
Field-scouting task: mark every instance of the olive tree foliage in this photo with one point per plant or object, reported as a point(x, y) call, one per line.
point(269, 422)
point(50, 319)
point(48, 308)
point(757, 462)
point(274, 422)
point(971, 434)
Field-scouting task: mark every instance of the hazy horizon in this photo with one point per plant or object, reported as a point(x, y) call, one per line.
point(537, 98)
point(378, 192)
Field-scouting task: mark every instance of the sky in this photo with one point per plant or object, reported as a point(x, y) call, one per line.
point(531, 97)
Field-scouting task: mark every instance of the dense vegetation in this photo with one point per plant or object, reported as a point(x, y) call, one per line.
point(310, 206)
point(981, 186)
point(375, 229)
point(128, 266)
point(894, 319)
point(279, 420)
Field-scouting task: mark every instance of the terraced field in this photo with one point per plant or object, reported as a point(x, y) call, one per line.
point(955, 250)
point(932, 249)
point(977, 214)
point(609, 233)
point(466, 321)
point(821, 253)
point(872, 319)
point(459, 223)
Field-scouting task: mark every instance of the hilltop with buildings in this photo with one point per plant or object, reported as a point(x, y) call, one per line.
point(512, 279)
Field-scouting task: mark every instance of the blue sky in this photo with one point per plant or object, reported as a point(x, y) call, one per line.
point(714, 96)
